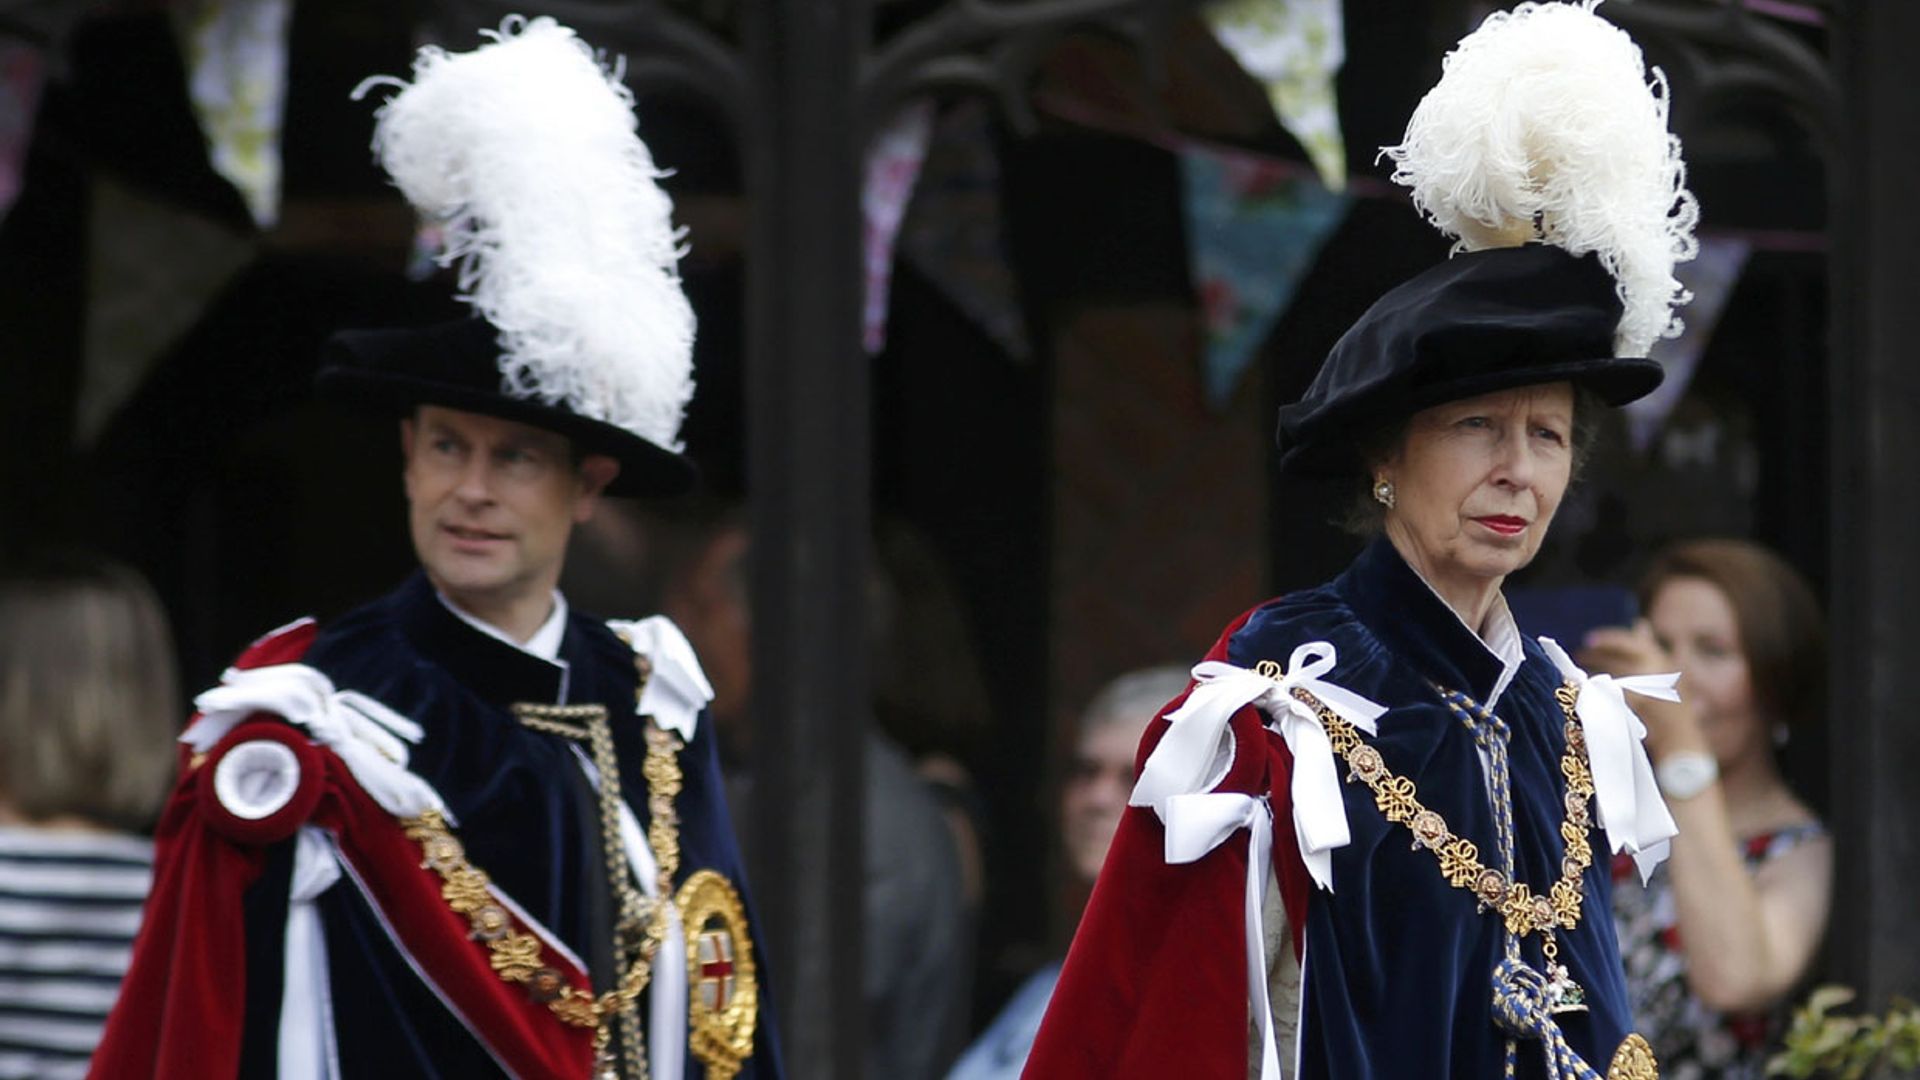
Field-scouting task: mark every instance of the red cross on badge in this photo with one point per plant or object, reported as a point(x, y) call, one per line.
point(715, 957)
point(723, 1002)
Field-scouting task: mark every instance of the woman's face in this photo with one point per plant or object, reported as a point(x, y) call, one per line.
point(1695, 622)
point(1095, 795)
point(1476, 482)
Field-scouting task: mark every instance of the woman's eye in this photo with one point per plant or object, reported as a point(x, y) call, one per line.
point(1474, 422)
point(1551, 435)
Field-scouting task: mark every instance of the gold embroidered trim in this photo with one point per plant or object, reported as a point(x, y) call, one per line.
point(1633, 1061)
point(513, 954)
point(516, 956)
point(1523, 910)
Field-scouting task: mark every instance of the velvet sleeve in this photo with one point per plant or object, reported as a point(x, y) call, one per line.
point(1155, 983)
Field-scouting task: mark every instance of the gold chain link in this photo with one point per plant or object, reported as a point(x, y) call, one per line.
point(515, 956)
point(1523, 911)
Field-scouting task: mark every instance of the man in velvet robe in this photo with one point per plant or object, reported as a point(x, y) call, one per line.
point(223, 985)
point(466, 830)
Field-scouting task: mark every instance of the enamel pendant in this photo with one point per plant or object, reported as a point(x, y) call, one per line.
point(1562, 993)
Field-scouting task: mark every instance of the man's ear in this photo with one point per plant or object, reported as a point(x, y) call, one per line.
point(596, 472)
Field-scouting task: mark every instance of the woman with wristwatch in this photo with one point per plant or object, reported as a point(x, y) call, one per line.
point(1729, 926)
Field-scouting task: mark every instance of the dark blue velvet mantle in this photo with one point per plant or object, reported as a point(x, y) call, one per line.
point(526, 816)
point(1397, 962)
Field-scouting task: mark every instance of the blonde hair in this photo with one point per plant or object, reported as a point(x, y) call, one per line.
point(87, 693)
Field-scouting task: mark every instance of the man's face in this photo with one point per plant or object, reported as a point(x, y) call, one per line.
point(1096, 792)
point(491, 503)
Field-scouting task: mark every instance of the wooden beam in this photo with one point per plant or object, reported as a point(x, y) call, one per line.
point(808, 472)
point(1875, 438)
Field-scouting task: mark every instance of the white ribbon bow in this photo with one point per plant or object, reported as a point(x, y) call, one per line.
point(1176, 777)
point(1198, 823)
point(369, 737)
point(1180, 763)
point(1624, 789)
point(677, 689)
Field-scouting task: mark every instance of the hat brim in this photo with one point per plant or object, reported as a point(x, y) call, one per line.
point(1329, 447)
point(646, 469)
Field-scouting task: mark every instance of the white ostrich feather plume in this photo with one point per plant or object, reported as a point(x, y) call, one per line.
point(1547, 124)
point(525, 150)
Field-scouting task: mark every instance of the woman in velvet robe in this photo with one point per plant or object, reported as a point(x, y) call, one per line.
point(1372, 964)
point(1371, 839)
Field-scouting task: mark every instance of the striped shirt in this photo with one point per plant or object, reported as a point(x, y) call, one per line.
point(69, 906)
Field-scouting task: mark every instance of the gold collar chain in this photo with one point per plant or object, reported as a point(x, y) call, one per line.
point(1523, 910)
point(643, 921)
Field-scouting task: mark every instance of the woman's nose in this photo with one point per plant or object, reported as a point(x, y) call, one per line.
point(1516, 461)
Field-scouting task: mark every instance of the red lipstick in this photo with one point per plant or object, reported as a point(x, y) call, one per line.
point(1504, 524)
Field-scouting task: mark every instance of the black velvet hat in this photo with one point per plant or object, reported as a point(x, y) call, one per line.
point(1479, 322)
point(457, 364)
point(524, 154)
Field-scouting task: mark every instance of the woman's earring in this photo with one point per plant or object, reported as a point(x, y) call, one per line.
point(1383, 492)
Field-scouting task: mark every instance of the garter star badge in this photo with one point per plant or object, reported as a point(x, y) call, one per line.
point(723, 999)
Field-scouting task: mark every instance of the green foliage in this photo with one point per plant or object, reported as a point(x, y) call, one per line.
point(1821, 1044)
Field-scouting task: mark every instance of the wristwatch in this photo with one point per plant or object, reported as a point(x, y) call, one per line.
point(1686, 774)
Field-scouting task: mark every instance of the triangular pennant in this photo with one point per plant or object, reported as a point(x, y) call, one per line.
point(893, 167)
point(23, 70)
point(1254, 228)
point(1710, 277)
point(236, 52)
point(954, 234)
point(1295, 48)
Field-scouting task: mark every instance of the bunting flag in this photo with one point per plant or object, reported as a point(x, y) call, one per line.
point(954, 233)
point(1295, 48)
point(153, 269)
point(236, 52)
point(1254, 228)
point(23, 70)
point(1711, 278)
point(893, 166)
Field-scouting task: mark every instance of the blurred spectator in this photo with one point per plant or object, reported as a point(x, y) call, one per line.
point(1730, 924)
point(690, 561)
point(88, 712)
point(1093, 795)
point(928, 693)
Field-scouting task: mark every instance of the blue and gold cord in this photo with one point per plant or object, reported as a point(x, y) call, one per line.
point(1519, 991)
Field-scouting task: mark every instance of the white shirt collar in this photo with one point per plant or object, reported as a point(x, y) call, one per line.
point(1502, 638)
point(545, 642)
